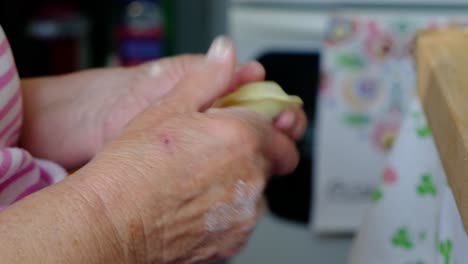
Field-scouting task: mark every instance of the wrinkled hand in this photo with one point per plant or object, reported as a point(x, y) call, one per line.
point(182, 184)
point(69, 118)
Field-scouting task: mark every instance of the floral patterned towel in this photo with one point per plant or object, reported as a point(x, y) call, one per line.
point(413, 218)
point(368, 83)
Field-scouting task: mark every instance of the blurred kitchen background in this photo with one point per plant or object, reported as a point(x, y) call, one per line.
point(307, 46)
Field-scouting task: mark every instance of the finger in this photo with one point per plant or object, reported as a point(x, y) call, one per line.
point(292, 122)
point(286, 122)
point(301, 125)
point(162, 75)
point(279, 149)
point(250, 72)
point(208, 81)
point(156, 79)
point(282, 153)
point(176, 67)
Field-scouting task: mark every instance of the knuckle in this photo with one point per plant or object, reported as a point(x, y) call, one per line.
point(236, 132)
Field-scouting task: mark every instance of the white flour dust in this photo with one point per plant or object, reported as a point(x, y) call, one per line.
point(154, 70)
point(224, 215)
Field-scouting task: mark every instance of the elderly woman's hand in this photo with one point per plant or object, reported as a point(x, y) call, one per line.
point(183, 185)
point(69, 118)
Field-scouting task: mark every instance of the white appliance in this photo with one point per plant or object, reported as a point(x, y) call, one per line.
point(257, 30)
point(268, 28)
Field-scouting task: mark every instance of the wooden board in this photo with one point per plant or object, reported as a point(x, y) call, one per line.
point(442, 69)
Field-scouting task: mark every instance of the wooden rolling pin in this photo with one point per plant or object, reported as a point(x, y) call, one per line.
point(442, 71)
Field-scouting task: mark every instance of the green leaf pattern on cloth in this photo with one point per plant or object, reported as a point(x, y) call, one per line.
point(424, 132)
point(350, 60)
point(445, 249)
point(377, 195)
point(410, 221)
point(426, 186)
point(357, 120)
point(402, 239)
point(422, 128)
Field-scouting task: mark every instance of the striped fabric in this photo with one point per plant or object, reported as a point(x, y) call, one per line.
point(20, 173)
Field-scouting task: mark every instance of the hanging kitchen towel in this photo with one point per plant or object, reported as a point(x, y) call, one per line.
point(413, 218)
point(367, 82)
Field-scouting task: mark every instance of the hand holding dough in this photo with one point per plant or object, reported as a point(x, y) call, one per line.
point(267, 98)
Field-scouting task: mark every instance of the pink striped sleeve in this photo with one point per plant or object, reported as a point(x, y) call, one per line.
point(8, 76)
point(20, 173)
point(10, 95)
point(4, 46)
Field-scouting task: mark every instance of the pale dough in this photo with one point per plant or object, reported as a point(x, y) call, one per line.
point(267, 98)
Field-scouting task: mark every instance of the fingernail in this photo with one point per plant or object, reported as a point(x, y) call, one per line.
point(286, 120)
point(220, 49)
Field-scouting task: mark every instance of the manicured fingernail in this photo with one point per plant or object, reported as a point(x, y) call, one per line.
point(220, 49)
point(286, 120)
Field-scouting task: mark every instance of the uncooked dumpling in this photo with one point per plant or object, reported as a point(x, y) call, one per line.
point(267, 98)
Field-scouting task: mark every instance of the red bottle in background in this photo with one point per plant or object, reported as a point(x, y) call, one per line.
point(139, 32)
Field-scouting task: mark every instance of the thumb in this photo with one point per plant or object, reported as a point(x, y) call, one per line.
point(208, 81)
